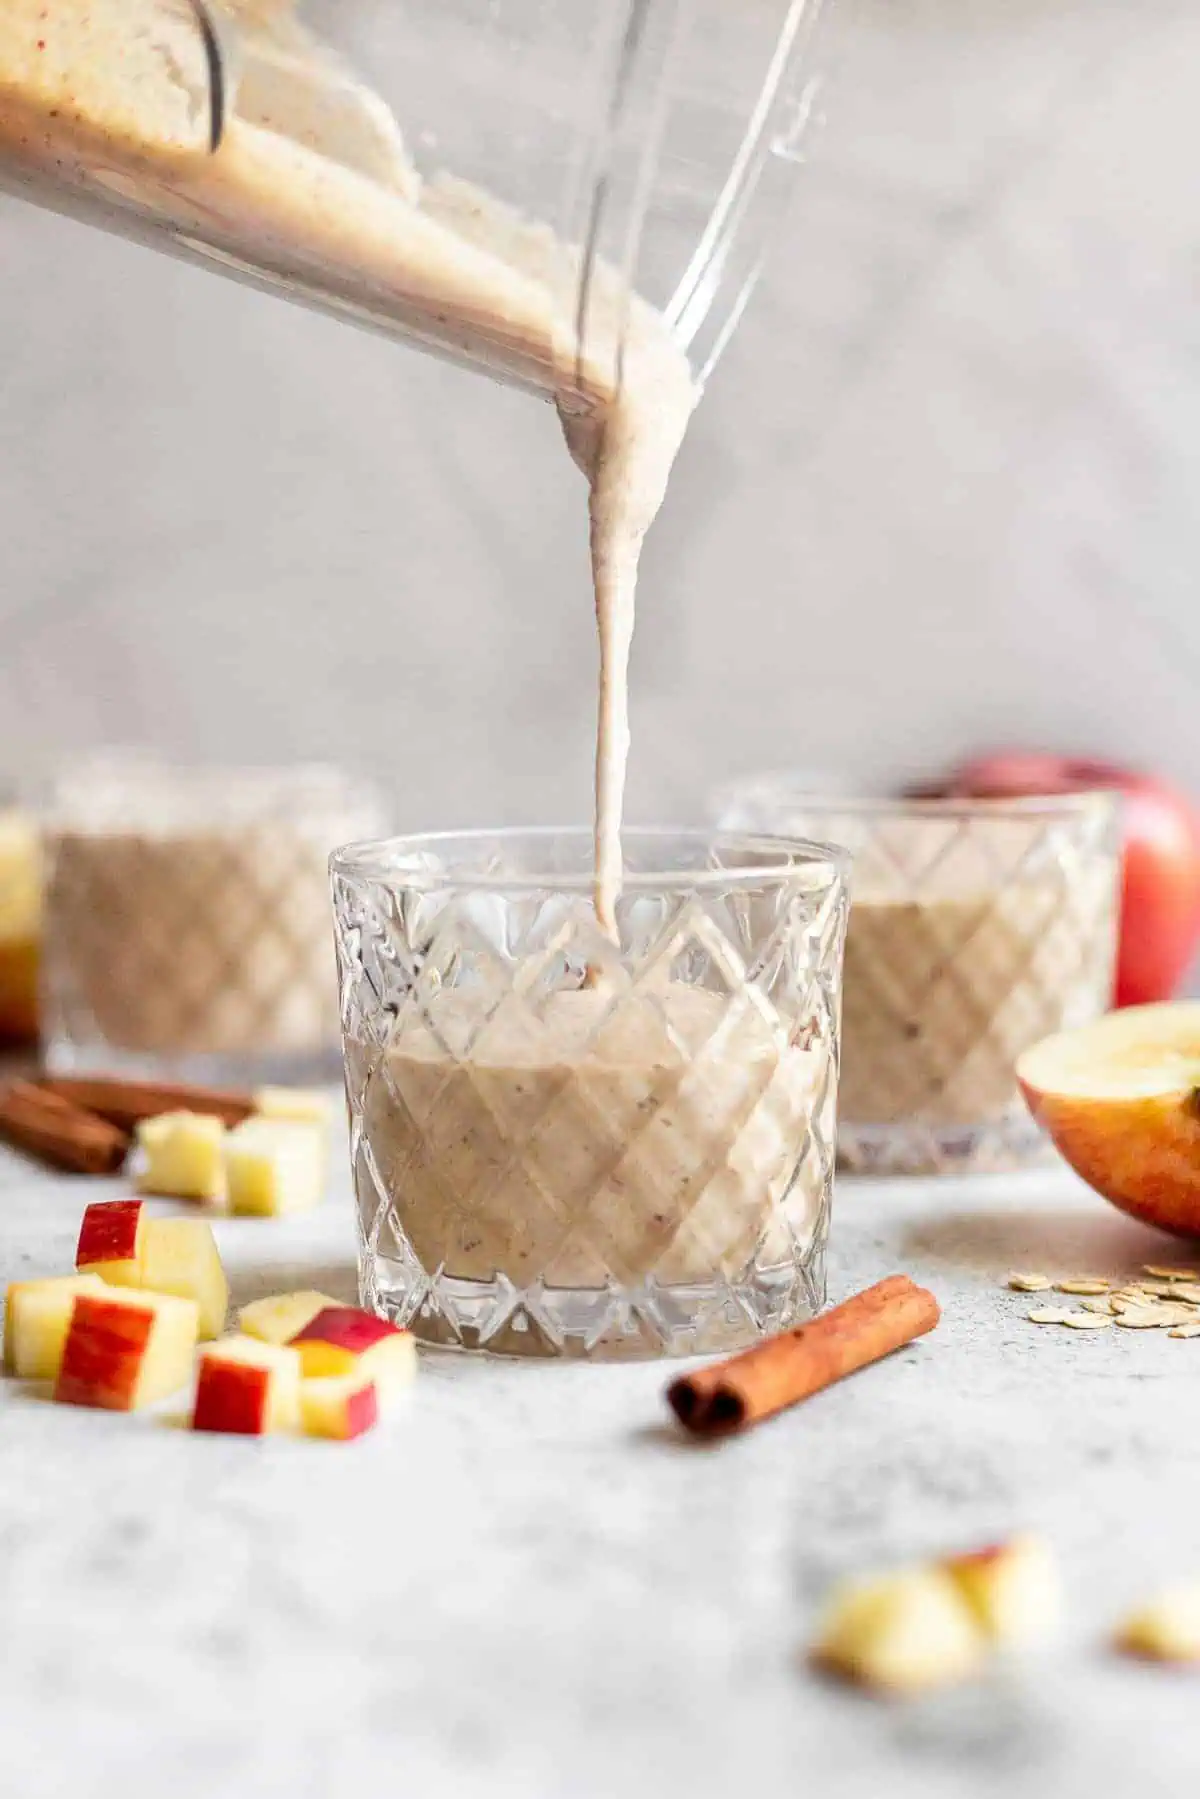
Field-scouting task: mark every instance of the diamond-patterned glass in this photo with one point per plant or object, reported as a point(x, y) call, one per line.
point(187, 920)
point(977, 927)
point(567, 1147)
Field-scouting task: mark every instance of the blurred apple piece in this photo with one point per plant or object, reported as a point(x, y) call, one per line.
point(111, 1239)
point(903, 1633)
point(182, 1153)
point(342, 1340)
point(180, 1256)
point(342, 1408)
point(37, 1315)
point(279, 1317)
point(1120, 1100)
point(300, 1105)
point(1013, 1590)
point(274, 1166)
point(247, 1387)
point(1166, 1630)
point(126, 1350)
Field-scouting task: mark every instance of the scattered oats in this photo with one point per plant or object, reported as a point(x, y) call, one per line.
point(1159, 1289)
point(1104, 1306)
point(1186, 1294)
point(1082, 1286)
point(1171, 1274)
point(1029, 1283)
point(1142, 1318)
point(1129, 1298)
point(1085, 1321)
point(1176, 1314)
point(1185, 1330)
point(1049, 1315)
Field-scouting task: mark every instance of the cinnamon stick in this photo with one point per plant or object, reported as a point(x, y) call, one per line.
point(731, 1395)
point(127, 1103)
point(60, 1133)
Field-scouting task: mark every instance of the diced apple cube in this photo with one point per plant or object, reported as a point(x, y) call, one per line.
point(340, 1408)
point(903, 1633)
point(248, 1387)
point(273, 1166)
point(125, 1350)
point(300, 1105)
point(1013, 1590)
point(1165, 1630)
point(182, 1153)
point(344, 1341)
point(279, 1317)
point(110, 1241)
point(180, 1256)
point(37, 1315)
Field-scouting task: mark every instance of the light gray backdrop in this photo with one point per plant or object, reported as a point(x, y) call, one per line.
point(943, 490)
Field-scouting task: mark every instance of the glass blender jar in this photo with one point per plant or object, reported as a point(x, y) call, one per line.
point(488, 179)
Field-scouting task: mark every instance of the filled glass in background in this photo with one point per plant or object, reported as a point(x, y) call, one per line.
point(977, 927)
point(187, 919)
point(564, 1146)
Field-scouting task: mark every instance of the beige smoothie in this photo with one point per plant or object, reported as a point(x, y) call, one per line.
point(563, 1146)
point(942, 993)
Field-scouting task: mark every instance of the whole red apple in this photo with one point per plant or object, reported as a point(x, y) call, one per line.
point(1160, 906)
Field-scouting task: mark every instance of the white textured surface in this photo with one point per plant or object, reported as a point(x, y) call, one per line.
point(530, 1585)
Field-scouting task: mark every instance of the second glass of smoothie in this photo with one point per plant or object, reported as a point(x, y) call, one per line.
point(977, 927)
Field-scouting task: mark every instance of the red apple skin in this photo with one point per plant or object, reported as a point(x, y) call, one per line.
point(232, 1399)
point(362, 1412)
point(102, 1356)
point(109, 1232)
point(345, 1327)
point(1160, 904)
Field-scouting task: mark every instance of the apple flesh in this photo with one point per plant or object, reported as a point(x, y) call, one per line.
point(37, 1316)
point(1120, 1099)
point(274, 1166)
point(110, 1241)
point(903, 1633)
point(180, 1256)
point(182, 1152)
point(339, 1408)
point(279, 1317)
point(1166, 1630)
point(1160, 905)
point(126, 1350)
point(1013, 1590)
point(342, 1340)
point(247, 1387)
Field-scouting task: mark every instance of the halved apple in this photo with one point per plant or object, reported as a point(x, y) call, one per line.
point(1120, 1099)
